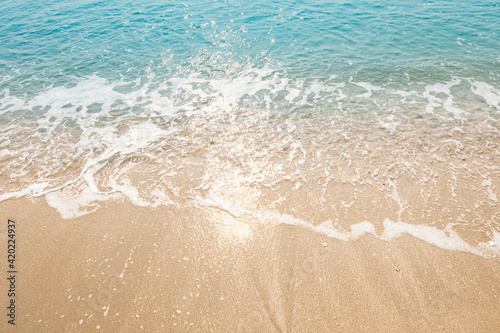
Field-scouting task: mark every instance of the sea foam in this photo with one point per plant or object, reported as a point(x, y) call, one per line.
point(446, 239)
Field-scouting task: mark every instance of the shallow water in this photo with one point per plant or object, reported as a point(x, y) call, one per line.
point(323, 115)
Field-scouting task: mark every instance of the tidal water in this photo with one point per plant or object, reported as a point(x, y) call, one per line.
point(333, 113)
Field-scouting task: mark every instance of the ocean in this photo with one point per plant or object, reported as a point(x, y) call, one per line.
point(346, 118)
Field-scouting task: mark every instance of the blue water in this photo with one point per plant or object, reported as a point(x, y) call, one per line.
point(55, 42)
point(94, 95)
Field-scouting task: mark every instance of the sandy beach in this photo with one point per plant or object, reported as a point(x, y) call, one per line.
point(250, 166)
point(127, 269)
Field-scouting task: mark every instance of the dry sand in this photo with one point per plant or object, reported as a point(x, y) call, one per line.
point(125, 269)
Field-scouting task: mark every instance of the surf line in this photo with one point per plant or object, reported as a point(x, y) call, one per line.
point(446, 239)
point(37, 190)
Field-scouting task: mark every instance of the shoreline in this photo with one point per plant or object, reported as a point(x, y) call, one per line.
point(250, 167)
point(200, 268)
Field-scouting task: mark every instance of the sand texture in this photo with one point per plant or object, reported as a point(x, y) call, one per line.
point(128, 269)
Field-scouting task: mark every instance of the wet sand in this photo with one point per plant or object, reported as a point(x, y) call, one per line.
point(125, 269)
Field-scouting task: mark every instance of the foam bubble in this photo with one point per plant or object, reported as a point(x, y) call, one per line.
point(488, 184)
point(486, 91)
point(71, 204)
point(431, 92)
point(34, 189)
point(156, 140)
point(446, 239)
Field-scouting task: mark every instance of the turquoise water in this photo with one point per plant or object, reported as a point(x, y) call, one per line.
point(307, 109)
point(54, 43)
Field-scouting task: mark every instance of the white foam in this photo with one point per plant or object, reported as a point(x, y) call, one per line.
point(496, 239)
point(369, 87)
point(357, 230)
point(395, 196)
point(390, 124)
point(275, 218)
point(74, 203)
point(71, 204)
point(9, 102)
point(448, 104)
point(490, 94)
point(488, 184)
point(446, 239)
point(33, 189)
point(107, 134)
